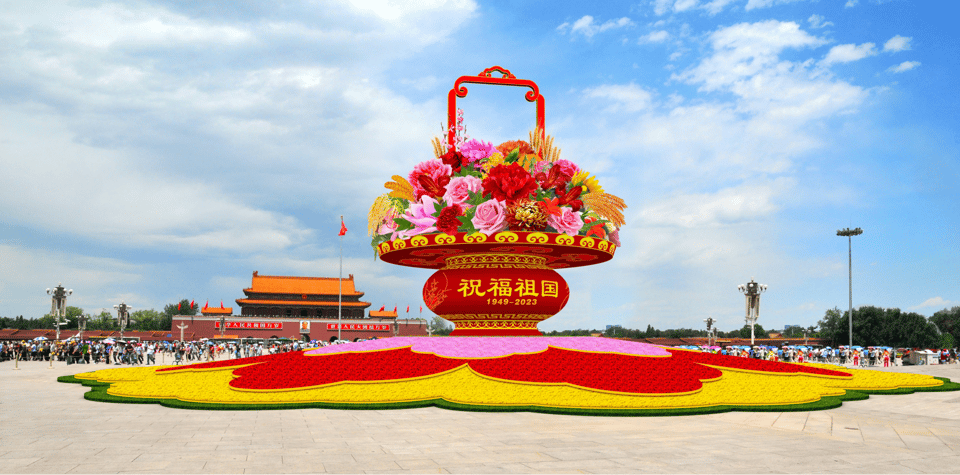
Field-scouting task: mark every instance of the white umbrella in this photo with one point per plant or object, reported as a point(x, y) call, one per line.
point(40, 338)
point(109, 341)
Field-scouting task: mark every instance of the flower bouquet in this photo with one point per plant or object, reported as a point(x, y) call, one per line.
point(473, 186)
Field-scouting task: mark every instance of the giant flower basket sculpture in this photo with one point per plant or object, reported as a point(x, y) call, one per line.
point(496, 221)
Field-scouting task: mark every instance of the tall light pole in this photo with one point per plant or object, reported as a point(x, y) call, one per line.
point(710, 321)
point(123, 316)
point(58, 307)
point(81, 326)
point(182, 327)
point(850, 233)
point(752, 290)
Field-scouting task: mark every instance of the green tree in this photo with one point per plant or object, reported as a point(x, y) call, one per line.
point(147, 320)
point(758, 331)
point(948, 321)
point(179, 308)
point(439, 326)
point(103, 321)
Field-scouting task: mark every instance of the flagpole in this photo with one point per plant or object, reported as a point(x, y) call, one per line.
point(340, 296)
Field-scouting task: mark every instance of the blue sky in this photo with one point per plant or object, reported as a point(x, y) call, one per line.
point(152, 151)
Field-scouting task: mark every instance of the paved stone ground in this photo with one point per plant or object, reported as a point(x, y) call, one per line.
point(47, 427)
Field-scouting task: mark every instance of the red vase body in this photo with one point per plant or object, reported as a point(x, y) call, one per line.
point(496, 294)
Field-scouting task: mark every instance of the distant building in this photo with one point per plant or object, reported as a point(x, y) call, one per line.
point(298, 308)
point(285, 296)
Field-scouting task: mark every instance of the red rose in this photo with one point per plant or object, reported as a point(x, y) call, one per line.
point(454, 159)
point(509, 183)
point(447, 221)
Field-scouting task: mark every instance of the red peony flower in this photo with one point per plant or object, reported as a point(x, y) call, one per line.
point(454, 159)
point(447, 221)
point(509, 183)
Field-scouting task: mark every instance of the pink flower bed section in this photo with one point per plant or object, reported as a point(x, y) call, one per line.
point(492, 347)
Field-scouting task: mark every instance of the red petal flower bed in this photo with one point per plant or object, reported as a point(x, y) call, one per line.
point(680, 373)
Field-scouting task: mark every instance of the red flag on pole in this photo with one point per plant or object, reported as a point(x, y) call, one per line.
point(381, 307)
point(421, 309)
point(206, 305)
point(343, 227)
point(221, 304)
point(192, 304)
point(408, 309)
point(178, 306)
point(394, 309)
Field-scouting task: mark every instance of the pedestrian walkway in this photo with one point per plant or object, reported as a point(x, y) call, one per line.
point(47, 427)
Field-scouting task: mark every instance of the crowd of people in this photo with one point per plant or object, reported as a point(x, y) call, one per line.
point(856, 356)
point(132, 352)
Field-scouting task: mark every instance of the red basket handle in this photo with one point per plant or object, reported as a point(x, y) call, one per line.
point(485, 77)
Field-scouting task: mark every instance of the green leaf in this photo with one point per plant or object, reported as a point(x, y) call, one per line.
point(403, 224)
point(474, 198)
point(466, 225)
point(512, 157)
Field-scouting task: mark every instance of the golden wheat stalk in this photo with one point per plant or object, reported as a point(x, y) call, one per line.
point(543, 144)
point(606, 205)
point(401, 188)
point(439, 149)
point(378, 211)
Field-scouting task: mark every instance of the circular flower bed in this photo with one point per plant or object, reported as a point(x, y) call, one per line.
point(580, 375)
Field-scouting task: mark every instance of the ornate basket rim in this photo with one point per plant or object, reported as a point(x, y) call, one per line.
point(429, 251)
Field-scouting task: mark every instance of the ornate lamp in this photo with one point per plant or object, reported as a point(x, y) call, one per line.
point(752, 291)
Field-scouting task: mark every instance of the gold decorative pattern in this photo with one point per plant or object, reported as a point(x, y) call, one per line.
point(506, 236)
point(515, 261)
point(384, 247)
point(603, 245)
point(588, 242)
point(418, 241)
point(475, 237)
point(495, 324)
point(537, 238)
point(399, 244)
point(564, 240)
point(444, 238)
point(433, 295)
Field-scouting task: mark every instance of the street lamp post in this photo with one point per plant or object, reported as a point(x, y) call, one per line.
point(58, 308)
point(223, 326)
point(710, 330)
point(123, 316)
point(81, 326)
point(752, 291)
point(850, 233)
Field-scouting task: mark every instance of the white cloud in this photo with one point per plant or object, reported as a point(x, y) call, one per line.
point(848, 53)
point(95, 280)
point(897, 43)
point(850, 3)
point(816, 22)
point(587, 27)
point(661, 7)
point(716, 6)
point(744, 50)
point(935, 302)
point(658, 36)
point(706, 210)
point(904, 66)
point(753, 4)
point(684, 5)
point(630, 97)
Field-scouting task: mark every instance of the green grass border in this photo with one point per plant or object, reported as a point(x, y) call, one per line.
point(98, 392)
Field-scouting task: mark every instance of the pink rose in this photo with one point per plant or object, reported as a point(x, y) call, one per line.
point(490, 217)
point(568, 221)
point(420, 214)
point(458, 187)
